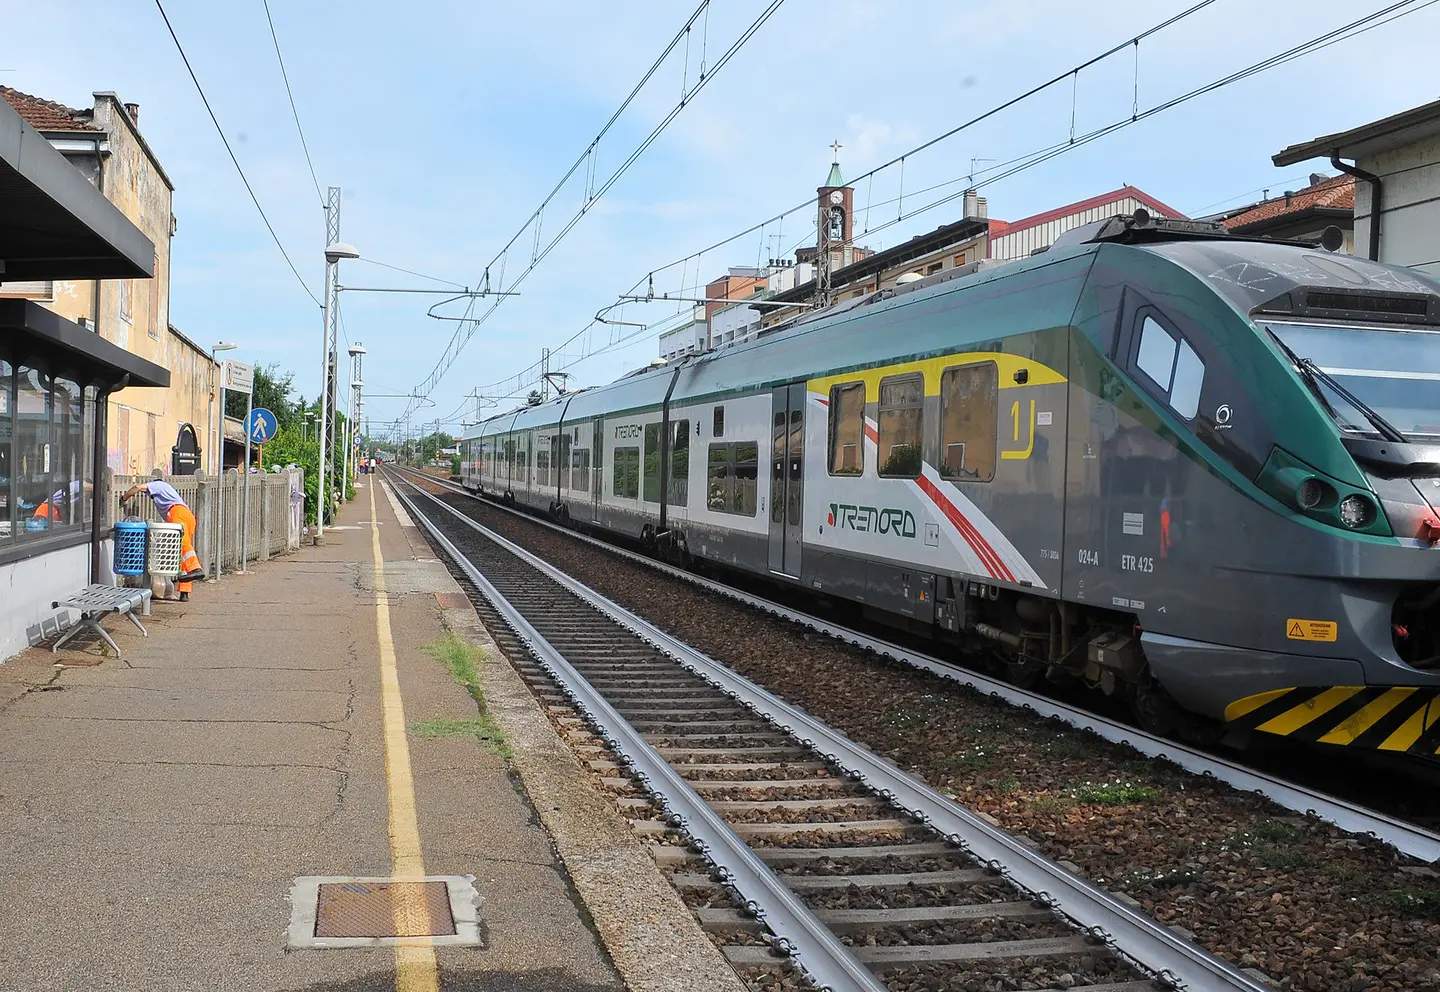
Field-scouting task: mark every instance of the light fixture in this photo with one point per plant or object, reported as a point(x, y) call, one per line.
point(225, 346)
point(338, 250)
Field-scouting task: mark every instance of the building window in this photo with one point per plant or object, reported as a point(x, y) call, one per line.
point(7, 429)
point(154, 287)
point(66, 496)
point(847, 429)
point(718, 428)
point(125, 314)
point(678, 489)
point(900, 425)
point(627, 473)
point(37, 289)
point(969, 414)
point(934, 268)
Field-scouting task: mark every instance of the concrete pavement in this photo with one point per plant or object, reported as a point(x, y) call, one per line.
point(155, 810)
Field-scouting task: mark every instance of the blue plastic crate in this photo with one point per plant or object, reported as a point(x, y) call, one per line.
point(130, 548)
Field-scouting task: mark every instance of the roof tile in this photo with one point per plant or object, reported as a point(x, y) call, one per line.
point(1337, 192)
point(47, 115)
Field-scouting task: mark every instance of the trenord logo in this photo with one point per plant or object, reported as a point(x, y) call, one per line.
point(871, 519)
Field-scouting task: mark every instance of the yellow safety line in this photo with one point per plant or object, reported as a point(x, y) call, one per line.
point(1357, 724)
point(414, 957)
point(1293, 719)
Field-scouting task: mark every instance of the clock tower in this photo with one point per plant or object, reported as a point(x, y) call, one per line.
point(835, 201)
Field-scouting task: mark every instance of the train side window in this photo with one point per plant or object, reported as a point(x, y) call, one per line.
point(746, 469)
point(900, 425)
point(718, 427)
point(580, 470)
point(847, 429)
point(627, 473)
point(969, 414)
point(542, 467)
point(1156, 357)
point(719, 479)
point(678, 491)
point(652, 463)
point(1172, 365)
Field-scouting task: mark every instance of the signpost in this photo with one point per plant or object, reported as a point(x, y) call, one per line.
point(236, 377)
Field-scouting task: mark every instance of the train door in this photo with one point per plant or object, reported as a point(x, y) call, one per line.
point(787, 463)
point(597, 465)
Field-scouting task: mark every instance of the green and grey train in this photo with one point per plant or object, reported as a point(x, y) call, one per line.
point(1198, 470)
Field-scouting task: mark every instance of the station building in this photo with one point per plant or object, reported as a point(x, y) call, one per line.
point(105, 145)
point(57, 378)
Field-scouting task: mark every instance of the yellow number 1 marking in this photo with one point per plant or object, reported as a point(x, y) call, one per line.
point(1029, 448)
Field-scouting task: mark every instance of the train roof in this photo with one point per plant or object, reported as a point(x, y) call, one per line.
point(1266, 277)
point(1254, 276)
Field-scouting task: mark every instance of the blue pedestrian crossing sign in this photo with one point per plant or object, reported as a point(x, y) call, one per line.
point(261, 426)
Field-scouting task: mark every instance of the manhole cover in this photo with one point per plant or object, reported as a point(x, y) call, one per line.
point(337, 912)
point(383, 909)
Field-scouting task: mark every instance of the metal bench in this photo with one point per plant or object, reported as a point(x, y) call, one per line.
point(96, 602)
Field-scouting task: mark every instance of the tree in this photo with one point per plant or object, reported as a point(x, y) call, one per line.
point(534, 399)
point(271, 392)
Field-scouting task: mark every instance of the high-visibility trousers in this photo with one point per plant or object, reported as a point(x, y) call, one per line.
point(189, 560)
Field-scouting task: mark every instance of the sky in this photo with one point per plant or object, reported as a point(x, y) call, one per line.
point(446, 124)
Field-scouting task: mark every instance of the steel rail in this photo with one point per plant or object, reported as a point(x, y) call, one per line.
point(799, 933)
point(1153, 948)
point(1407, 838)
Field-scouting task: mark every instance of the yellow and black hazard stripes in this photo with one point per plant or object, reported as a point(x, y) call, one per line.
point(1386, 718)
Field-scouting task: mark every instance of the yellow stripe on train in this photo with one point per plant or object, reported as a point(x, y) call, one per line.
point(1409, 711)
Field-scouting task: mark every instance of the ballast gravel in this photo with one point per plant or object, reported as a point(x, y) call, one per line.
point(1307, 905)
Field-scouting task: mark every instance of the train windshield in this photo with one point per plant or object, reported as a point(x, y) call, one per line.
point(1393, 373)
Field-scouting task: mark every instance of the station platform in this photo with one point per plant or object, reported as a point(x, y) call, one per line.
point(289, 755)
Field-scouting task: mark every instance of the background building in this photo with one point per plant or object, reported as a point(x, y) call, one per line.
point(105, 144)
point(1302, 214)
point(1023, 238)
point(1397, 168)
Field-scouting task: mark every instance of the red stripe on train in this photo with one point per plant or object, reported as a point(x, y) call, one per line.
point(988, 555)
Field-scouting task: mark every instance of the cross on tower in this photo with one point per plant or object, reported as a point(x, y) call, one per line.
point(835, 146)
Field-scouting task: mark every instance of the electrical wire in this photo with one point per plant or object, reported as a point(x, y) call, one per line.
point(296, 113)
point(465, 330)
point(226, 141)
point(410, 272)
point(1014, 166)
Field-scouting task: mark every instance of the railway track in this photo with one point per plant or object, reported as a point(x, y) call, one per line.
point(1412, 839)
point(802, 845)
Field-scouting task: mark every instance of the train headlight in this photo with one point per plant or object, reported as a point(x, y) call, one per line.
point(1314, 494)
point(1356, 511)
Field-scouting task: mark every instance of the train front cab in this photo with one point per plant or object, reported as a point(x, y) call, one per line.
point(1279, 565)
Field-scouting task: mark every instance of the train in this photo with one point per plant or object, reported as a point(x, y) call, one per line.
point(1195, 471)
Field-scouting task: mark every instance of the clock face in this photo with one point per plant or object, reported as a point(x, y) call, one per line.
point(836, 196)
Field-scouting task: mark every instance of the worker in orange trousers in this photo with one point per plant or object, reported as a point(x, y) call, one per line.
point(170, 505)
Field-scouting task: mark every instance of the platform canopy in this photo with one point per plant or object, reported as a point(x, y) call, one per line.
point(53, 223)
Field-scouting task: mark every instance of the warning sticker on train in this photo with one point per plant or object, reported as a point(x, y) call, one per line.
point(1311, 630)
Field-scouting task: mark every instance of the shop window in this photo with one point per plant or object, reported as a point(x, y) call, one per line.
point(7, 427)
point(33, 452)
point(969, 415)
point(847, 429)
point(69, 439)
point(900, 425)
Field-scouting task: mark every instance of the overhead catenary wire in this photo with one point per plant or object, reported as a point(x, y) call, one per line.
point(467, 327)
point(235, 161)
point(1018, 164)
point(285, 76)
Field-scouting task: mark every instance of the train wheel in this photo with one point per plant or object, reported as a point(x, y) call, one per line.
point(1021, 672)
